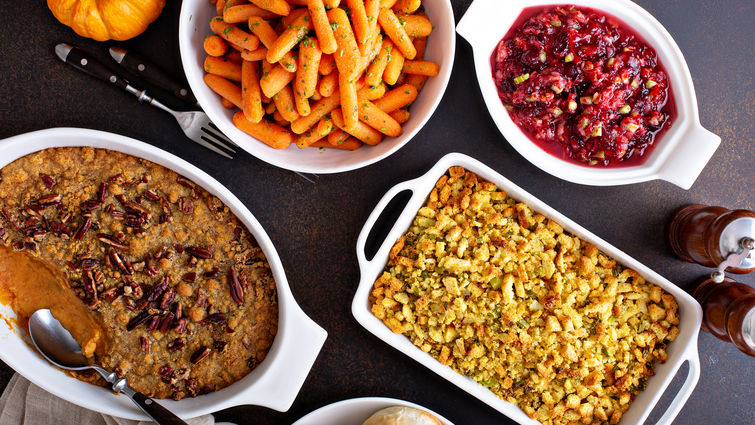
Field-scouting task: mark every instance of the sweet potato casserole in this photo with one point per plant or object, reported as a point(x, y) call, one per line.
point(154, 276)
point(505, 296)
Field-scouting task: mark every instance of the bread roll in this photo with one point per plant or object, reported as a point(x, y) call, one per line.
point(401, 415)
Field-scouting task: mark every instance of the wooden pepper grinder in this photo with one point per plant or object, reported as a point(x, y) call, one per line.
point(714, 237)
point(728, 311)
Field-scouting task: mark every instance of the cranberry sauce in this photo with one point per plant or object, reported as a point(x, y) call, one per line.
point(583, 85)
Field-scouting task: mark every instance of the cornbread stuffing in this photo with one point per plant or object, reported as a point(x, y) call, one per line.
point(505, 296)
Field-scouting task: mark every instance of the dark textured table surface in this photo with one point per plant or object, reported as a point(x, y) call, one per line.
point(315, 227)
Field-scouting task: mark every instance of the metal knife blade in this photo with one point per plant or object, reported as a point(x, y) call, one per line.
point(151, 73)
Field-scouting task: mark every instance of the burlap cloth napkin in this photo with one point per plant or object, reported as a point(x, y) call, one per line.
point(25, 403)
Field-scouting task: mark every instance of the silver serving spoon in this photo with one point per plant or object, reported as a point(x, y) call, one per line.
point(61, 349)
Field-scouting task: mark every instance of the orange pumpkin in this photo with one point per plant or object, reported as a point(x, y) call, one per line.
point(107, 19)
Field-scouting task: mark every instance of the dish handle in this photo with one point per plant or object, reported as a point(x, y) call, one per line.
point(471, 23)
point(375, 215)
point(689, 157)
point(686, 390)
point(301, 345)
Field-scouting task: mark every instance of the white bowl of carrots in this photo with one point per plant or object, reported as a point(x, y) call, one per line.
point(277, 75)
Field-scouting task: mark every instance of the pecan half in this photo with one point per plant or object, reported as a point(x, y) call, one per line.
point(83, 229)
point(90, 205)
point(137, 320)
point(120, 261)
point(199, 252)
point(166, 323)
point(176, 345)
point(48, 181)
point(237, 293)
point(158, 290)
point(200, 354)
point(60, 229)
point(102, 192)
point(47, 200)
point(144, 342)
point(112, 241)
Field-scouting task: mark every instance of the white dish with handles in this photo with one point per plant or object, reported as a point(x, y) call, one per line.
point(356, 410)
point(441, 46)
point(683, 349)
point(680, 154)
point(274, 383)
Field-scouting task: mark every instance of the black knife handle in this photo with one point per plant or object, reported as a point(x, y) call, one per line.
point(83, 61)
point(151, 73)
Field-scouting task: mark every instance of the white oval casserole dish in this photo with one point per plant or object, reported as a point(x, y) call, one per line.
point(274, 383)
point(684, 348)
point(194, 26)
point(680, 154)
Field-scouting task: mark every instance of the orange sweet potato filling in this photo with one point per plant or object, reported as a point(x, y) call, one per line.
point(28, 284)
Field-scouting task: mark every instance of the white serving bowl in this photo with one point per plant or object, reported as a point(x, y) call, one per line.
point(441, 46)
point(274, 383)
point(679, 155)
point(356, 410)
point(683, 349)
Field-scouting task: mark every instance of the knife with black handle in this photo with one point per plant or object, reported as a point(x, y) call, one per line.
point(87, 63)
point(151, 73)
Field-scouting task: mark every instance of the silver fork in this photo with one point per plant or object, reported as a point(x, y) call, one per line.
point(195, 124)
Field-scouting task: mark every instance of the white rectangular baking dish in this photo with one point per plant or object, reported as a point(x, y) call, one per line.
point(274, 383)
point(684, 348)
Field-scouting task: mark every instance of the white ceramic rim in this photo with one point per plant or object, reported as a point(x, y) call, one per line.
point(679, 155)
point(684, 348)
point(345, 412)
point(274, 383)
point(441, 48)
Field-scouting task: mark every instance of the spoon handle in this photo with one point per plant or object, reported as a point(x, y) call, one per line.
point(158, 413)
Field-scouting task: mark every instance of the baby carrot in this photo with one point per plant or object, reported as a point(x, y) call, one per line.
point(426, 68)
point(395, 30)
point(417, 26)
point(337, 136)
point(322, 26)
point(223, 68)
point(400, 115)
point(394, 67)
point(349, 144)
point(377, 119)
point(361, 131)
point(328, 84)
point(406, 7)
point(267, 36)
point(375, 71)
point(242, 13)
point(416, 80)
point(289, 38)
point(279, 7)
point(234, 35)
point(251, 99)
point(255, 55)
point(347, 56)
point(361, 24)
point(274, 80)
point(225, 88)
point(397, 98)
point(314, 134)
point(284, 103)
point(309, 60)
point(327, 64)
point(269, 133)
point(215, 46)
point(348, 90)
point(319, 110)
